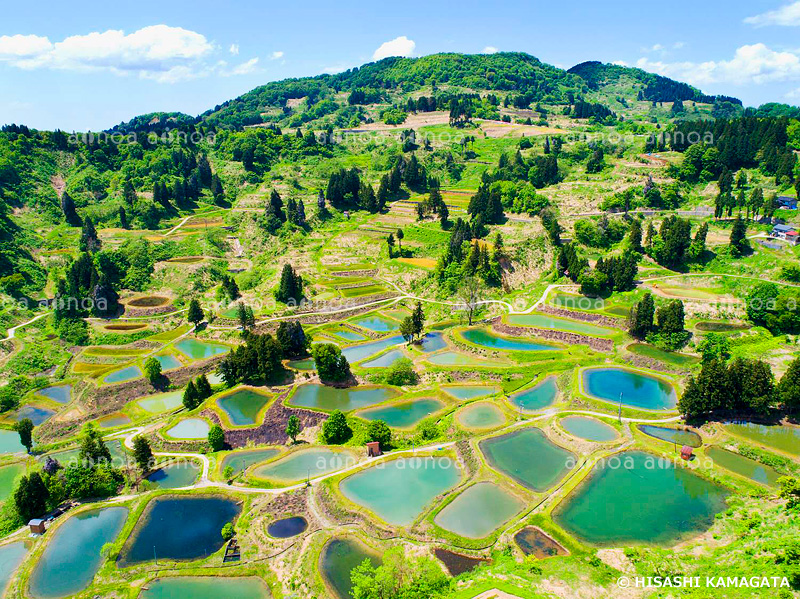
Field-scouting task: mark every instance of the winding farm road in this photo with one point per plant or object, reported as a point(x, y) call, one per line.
point(12, 331)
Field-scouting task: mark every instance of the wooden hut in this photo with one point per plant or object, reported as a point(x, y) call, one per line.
point(37, 526)
point(687, 453)
point(373, 449)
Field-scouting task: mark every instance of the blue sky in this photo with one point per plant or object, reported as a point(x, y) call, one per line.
point(82, 65)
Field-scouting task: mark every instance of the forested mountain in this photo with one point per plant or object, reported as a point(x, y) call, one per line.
point(654, 88)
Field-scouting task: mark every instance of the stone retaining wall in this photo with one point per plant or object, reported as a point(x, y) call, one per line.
point(600, 319)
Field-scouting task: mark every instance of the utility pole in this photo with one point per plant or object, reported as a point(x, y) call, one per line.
point(619, 412)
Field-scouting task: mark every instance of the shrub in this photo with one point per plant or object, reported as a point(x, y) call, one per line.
point(216, 437)
point(335, 429)
point(401, 373)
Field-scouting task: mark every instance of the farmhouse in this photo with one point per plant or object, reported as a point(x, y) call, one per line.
point(786, 232)
point(787, 203)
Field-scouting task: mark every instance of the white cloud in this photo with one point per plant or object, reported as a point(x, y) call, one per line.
point(245, 68)
point(753, 64)
point(13, 47)
point(620, 63)
point(787, 16)
point(490, 50)
point(678, 45)
point(276, 55)
point(157, 52)
point(399, 46)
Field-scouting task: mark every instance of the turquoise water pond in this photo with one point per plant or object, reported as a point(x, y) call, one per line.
point(338, 558)
point(543, 321)
point(785, 438)
point(243, 406)
point(484, 338)
point(190, 428)
point(37, 414)
point(638, 390)
point(404, 415)
point(168, 362)
point(200, 350)
point(672, 435)
point(348, 335)
point(242, 460)
point(206, 587)
point(376, 323)
point(356, 353)
point(644, 500)
point(301, 464)
point(511, 454)
point(590, 429)
point(9, 442)
point(327, 398)
point(206, 514)
point(387, 359)
point(398, 491)
point(72, 557)
point(537, 397)
point(124, 374)
point(478, 511)
point(744, 466)
point(480, 415)
point(175, 475)
point(163, 402)
point(469, 391)
point(11, 556)
point(58, 393)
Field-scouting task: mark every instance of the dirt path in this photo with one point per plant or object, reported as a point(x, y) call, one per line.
point(12, 331)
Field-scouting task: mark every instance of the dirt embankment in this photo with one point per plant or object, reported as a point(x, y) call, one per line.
point(595, 343)
point(272, 431)
point(601, 319)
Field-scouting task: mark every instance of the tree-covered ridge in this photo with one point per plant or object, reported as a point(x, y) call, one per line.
point(655, 88)
point(507, 71)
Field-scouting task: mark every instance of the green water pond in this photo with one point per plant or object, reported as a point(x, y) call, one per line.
point(326, 398)
point(304, 463)
point(481, 415)
point(337, 560)
point(243, 405)
point(785, 438)
point(175, 475)
point(744, 466)
point(384, 360)
point(9, 442)
point(162, 402)
point(190, 428)
point(672, 435)
point(590, 429)
point(478, 511)
point(539, 396)
point(206, 587)
point(511, 454)
point(200, 350)
point(644, 499)
point(405, 414)
point(11, 556)
point(8, 476)
point(398, 491)
point(240, 461)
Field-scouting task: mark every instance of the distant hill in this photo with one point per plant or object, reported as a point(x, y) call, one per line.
point(654, 87)
point(504, 71)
